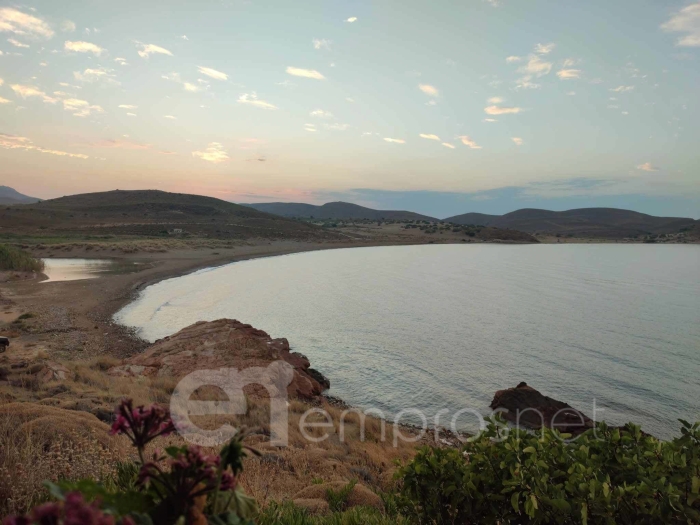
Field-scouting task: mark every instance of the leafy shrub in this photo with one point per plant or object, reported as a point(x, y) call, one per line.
point(181, 485)
point(14, 259)
point(607, 475)
point(338, 499)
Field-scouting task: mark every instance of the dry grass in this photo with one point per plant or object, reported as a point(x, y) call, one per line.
point(44, 439)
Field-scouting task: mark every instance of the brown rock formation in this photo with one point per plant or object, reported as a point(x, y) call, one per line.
point(225, 343)
point(529, 408)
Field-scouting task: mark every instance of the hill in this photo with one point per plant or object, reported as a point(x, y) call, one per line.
point(583, 222)
point(336, 210)
point(152, 213)
point(11, 196)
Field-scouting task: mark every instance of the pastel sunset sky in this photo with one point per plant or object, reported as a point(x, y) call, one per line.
point(439, 107)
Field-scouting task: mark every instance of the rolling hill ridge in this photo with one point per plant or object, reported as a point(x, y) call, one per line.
point(336, 210)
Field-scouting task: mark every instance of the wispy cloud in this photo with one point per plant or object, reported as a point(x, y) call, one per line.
point(517, 141)
point(310, 127)
point(4, 101)
point(495, 100)
point(513, 59)
point(120, 144)
point(214, 153)
point(647, 166)
point(468, 141)
point(535, 66)
point(252, 99)
point(127, 106)
point(17, 43)
point(19, 23)
point(67, 26)
point(306, 73)
point(81, 108)
point(321, 43)
point(429, 90)
point(568, 74)
point(30, 92)
point(83, 47)
point(395, 141)
point(544, 49)
point(213, 73)
point(352, 19)
point(501, 110)
point(429, 136)
point(490, 120)
point(192, 88)
point(15, 142)
point(622, 89)
point(687, 20)
point(337, 126)
point(151, 49)
point(321, 113)
point(448, 145)
point(94, 75)
point(170, 117)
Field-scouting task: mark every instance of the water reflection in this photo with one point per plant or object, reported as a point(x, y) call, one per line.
point(75, 269)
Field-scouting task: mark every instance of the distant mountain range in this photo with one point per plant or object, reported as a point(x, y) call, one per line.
point(336, 210)
point(584, 222)
point(11, 196)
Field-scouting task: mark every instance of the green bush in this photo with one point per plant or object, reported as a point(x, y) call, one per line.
point(14, 259)
point(607, 475)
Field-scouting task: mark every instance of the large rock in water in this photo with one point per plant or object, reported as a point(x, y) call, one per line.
point(531, 409)
point(225, 343)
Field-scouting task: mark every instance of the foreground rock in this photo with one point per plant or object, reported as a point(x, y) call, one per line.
point(529, 408)
point(225, 343)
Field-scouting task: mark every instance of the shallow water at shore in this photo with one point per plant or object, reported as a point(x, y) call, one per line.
point(444, 326)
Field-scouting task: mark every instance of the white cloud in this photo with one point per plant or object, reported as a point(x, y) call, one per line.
point(16, 43)
point(448, 145)
point(429, 136)
point(213, 73)
point(83, 47)
point(544, 49)
point(536, 66)
point(4, 101)
point(321, 113)
point(94, 75)
point(495, 100)
point(569, 62)
point(81, 108)
point(395, 141)
point(131, 114)
point(1, 81)
point(252, 99)
point(512, 59)
point(517, 140)
point(350, 99)
point(352, 19)
point(647, 166)
point(30, 91)
point(19, 23)
point(15, 142)
point(571, 93)
point(499, 110)
point(622, 89)
point(310, 127)
point(184, 37)
point(151, 49)
point(121, 61)
point(490, 120)
point(169, 117)
point(568, 74)
point(306, 73)
point(337, 126)
point(214, 153)
point(321, 43)
point(191, 87)
point(127, 106)
point(173, 77)
point(67, 26)
point(468, 141)
point(429, 90)
point(687, 20)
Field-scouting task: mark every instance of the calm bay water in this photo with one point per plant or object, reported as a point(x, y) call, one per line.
point(445, 326)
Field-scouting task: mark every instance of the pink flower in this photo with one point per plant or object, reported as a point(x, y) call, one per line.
point(141, 425)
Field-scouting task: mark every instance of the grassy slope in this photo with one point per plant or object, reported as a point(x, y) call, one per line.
point(150, 213)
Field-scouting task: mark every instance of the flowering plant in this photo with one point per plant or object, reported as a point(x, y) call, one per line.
point(178, 485)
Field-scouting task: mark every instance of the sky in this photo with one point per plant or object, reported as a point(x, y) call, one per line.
point(438, 107)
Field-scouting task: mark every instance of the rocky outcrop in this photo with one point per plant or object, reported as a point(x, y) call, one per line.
point(529, 408)
point(225, 343)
